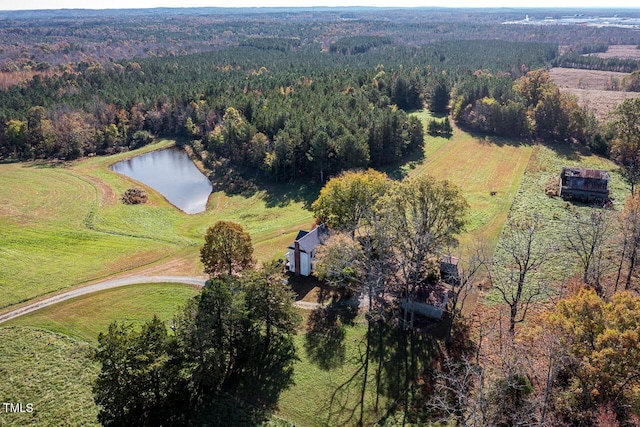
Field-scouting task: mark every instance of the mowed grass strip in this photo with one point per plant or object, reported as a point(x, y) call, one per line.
point(309, 402)
point(52, 372)
point(86, 316)
point(488, 171)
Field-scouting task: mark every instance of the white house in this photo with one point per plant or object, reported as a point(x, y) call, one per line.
point(302, 253)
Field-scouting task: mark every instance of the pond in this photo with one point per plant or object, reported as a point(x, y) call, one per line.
point(172, 173)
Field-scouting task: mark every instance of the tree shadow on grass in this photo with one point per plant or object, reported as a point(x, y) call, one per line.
point(325, 338)
point(276, 194)
point(568, 151)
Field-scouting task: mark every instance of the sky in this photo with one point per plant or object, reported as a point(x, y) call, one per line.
point(126, 4)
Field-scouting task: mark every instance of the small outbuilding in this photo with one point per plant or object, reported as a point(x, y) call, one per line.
point(449, 270)
point(302, 252)
point(584, 184)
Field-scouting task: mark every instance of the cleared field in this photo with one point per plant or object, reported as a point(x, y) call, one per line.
point(53, 372)
point(480, 167)
point(86, 316)
point(588, 86)
point(620, 51)
point(65, 226)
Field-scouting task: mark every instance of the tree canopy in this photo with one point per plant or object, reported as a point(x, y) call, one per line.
point(345, 199)
point(234, 339)
point(227, 249)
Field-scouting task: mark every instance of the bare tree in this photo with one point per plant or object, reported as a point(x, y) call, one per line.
point(521, 253)
point(587, 238)
point(629, 223)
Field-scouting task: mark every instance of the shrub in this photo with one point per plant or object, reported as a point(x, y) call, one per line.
point(134, 196)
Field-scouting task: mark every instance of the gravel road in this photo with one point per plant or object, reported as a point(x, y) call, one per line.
point(107, 284)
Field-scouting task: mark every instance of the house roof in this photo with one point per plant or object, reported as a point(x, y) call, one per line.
point(309, 240)
point(586, 173)
point(581, 179)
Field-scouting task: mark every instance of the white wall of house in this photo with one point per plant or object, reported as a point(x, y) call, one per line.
point(305, 262)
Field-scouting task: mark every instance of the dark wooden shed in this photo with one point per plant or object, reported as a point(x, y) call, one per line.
point(584, 184)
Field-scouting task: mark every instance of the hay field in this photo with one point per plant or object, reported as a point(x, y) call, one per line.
point(589, 87)
point(620, 51)
point(480, 166)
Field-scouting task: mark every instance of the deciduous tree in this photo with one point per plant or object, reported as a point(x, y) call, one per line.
point(603, 340)
point(227, 249)
point(345, 199)
point(626, 147)
point(522, 251)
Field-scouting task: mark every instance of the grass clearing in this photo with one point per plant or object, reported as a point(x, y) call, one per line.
point(480, 166)
point(53, 372)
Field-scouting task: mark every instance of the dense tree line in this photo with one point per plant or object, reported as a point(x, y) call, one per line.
point(589, 62)
point(531, 106)
point(287, 113)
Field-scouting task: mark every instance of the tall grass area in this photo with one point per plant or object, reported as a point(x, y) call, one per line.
point(488, 171)
point(64, 226)
point(558, 216)
point(53, 372)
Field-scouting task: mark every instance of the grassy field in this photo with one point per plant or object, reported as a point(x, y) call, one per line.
point(52, 372)
point(86, 316)
point(590, 88)
point(64, 226)
point(480, 167)
point(557, 215)
point(83, 318)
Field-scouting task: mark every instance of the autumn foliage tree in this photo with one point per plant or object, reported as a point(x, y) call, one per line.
point(227, 249)
point(603, 340)
point(345, 199)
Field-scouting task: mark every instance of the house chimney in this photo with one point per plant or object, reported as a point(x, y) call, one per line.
point(296, 257)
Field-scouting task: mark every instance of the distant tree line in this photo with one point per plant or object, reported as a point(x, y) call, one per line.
point(589, 62)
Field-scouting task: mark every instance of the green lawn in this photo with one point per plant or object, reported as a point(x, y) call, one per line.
point(64, 226)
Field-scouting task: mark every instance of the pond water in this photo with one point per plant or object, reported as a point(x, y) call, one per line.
point(172, 173)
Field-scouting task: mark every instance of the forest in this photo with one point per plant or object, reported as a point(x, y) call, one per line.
point(288, 100)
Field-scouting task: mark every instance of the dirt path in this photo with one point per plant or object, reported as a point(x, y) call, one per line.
point(115, 283)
